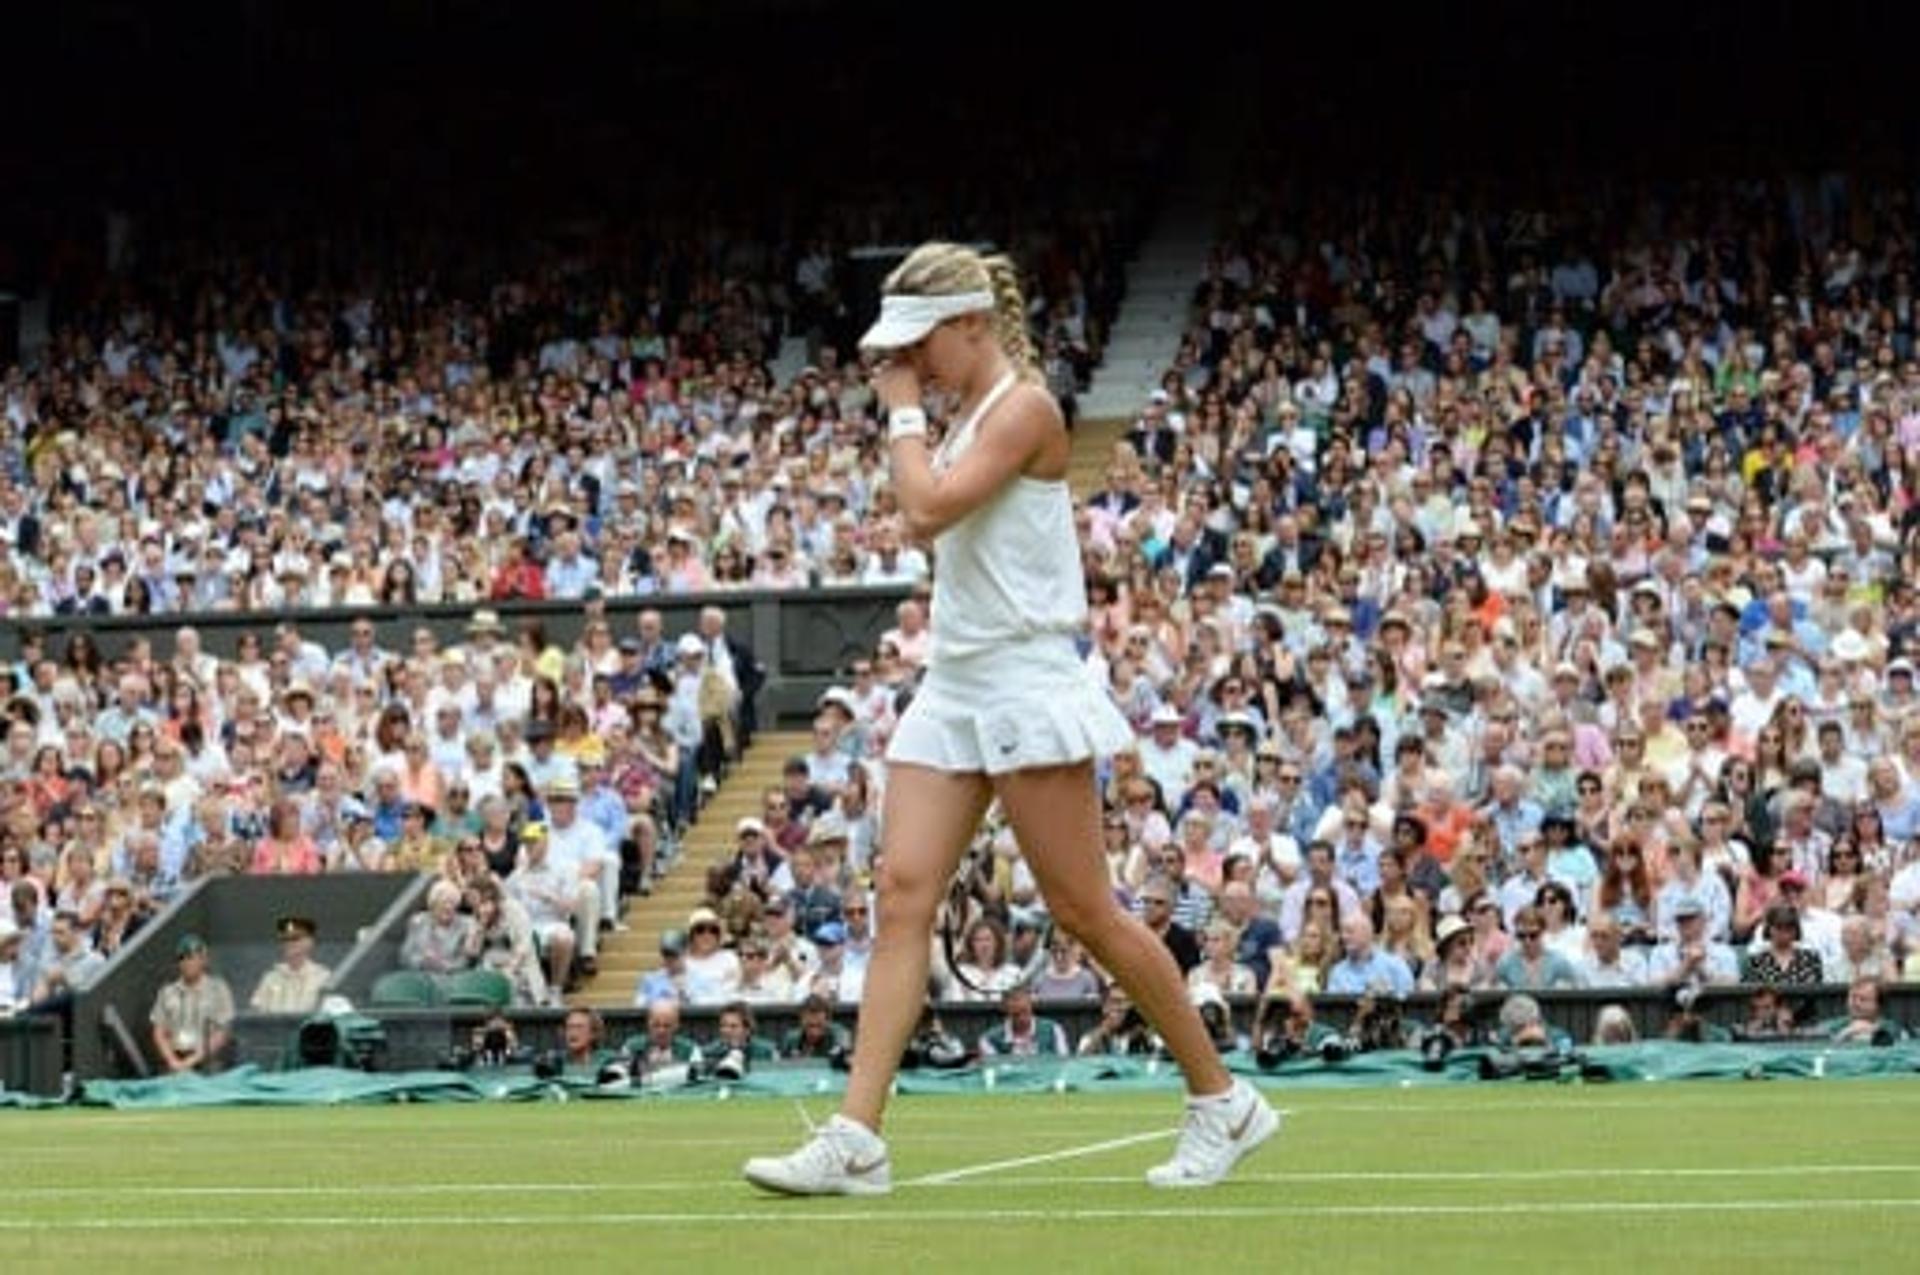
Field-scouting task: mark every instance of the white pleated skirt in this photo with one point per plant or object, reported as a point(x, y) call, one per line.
point(1030, 704)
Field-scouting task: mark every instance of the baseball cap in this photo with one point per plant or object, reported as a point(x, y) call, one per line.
point(673, 942)
point(295, 927)
point(189, 945)
point(1688, 906)
point(831, 933)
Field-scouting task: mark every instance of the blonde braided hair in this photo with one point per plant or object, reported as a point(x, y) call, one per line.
point(942, 269)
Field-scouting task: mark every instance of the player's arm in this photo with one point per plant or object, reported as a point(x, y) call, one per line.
point(930, 503)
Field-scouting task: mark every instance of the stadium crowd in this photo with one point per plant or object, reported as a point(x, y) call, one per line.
point(1507, 599)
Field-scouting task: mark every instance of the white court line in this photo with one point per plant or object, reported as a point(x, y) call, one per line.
point(774, 1213)
point(1048, 1157)
point(955, 1178)
point(1496, 1175)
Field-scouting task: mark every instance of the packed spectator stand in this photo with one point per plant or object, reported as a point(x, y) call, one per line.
point(1510, 596)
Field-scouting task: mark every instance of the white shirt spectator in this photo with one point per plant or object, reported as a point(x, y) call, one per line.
point(1169, 766)
point(1629, 969)
point(712, 979)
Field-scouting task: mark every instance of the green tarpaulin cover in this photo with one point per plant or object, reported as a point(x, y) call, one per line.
point(328, 1086)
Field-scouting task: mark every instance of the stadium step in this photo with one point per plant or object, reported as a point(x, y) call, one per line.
point(625, 955)
point(1161, 278)
point(1093, 442)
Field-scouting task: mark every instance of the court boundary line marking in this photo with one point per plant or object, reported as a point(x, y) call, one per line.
point(965, 1178)
point(1046, 1157)
point(772, 1213)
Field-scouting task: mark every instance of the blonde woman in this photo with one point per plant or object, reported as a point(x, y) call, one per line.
point(1219, 968)
point(1007, 711)
point(1313, 954)
point(1404, 933)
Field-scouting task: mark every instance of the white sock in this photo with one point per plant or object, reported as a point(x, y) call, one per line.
point(1220, 1099)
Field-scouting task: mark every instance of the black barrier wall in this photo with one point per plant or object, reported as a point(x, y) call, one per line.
point(805, 639)
point(419, 1039)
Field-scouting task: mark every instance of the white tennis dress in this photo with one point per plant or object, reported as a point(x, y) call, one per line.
point(1005, 689)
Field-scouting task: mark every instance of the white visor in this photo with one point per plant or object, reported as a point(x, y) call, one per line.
point(905, 320)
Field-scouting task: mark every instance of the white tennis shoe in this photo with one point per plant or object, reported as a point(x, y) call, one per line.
point(842, 1157)
point(1215, 1136)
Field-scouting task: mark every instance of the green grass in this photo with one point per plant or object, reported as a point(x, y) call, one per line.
point(1701, 1177)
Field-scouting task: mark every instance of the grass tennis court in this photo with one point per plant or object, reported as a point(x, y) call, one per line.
point(1703, 1176)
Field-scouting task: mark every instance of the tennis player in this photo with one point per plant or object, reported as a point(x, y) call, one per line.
point(1007, 709)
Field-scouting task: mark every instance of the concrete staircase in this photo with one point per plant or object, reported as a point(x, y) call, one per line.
point(1160, 281)
point(1146, 333)
point(1092, 448)
point(625, 956)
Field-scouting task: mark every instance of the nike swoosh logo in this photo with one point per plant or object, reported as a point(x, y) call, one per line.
point(859, 1170)
point(1239, 1131)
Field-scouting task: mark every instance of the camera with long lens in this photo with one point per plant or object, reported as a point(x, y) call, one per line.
point(1276, 1050)
point(1436, 1045)
point(1377, 1024)
point(730, 1066)
point(1335, 1050)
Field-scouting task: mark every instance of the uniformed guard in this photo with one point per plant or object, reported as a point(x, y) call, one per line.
point(193, 1015)
point(294, 985)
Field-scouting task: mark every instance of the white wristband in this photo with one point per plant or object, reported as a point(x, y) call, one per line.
point(906, 422)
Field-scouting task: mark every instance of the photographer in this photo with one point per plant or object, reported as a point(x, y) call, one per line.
point(494, 1043)
point(1686, 1023)
point(1021, 1033)
point(1863, 1023)
point(933, 1045)
point(736, 1047)
point(582, 1043)
point(1377, 1024)
point(817, 1036)
point(1218, 1017)
point(1121, 1031)
point(1454, 1028)
point(1522, 1025)
point(1769, 1017)
point(1525, 1046)
point(1293, 1034)
point(662, 1044)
